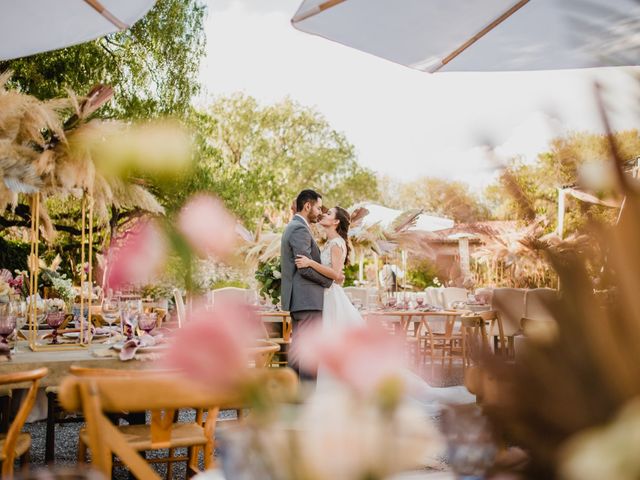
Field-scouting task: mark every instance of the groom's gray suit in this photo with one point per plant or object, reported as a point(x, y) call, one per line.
point(302, 289)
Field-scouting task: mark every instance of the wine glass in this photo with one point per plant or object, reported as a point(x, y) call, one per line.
point(420, 300)
point(54, 319)
point(147, 321)
point(391, 301)
point(110, 313)
point(7, 322)
point(130, 320)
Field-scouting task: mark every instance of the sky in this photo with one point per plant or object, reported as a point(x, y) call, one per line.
point(405, 123)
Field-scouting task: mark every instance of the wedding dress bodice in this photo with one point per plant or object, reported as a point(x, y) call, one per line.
point(325, 256)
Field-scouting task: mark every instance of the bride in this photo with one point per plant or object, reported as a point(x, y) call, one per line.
point(339, 313)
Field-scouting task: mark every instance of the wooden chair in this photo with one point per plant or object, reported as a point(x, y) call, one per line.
point(262, 354)
point(98, 395)
point(180, 309)
point(16, 443)
point(447, 342)
point(509, 303)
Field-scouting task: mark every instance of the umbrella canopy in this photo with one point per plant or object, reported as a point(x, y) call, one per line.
point(491, 35)
point(385, 217)
point(33, 26)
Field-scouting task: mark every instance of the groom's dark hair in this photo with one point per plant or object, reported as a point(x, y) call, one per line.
point(306, 196)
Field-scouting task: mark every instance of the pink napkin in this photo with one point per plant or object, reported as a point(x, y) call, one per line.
point(130, 347)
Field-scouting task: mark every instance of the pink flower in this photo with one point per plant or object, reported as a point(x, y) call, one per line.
point(362, 357)
point(213, 346)
point(137, 256)
point(208, 226)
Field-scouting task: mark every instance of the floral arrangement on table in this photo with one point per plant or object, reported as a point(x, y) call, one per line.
point(13, 285)
point(157, 291)
point(363, 428)
point(269, 276)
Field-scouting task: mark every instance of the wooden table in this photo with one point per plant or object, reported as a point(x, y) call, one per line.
point(403, 318)
point(58, 362)
point(277, 316)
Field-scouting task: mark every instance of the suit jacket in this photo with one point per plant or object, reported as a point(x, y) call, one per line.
point(301, 289)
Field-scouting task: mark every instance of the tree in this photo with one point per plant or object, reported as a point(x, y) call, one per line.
point(436, 196)
point(257, 158)
point(560, 167)
point(153, 66)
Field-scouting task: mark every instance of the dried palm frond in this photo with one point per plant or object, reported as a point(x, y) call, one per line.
point(357, 215)
point(591, 369)
point(405, 220)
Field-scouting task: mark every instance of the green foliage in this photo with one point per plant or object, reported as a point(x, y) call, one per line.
point(422, 275)
point(351, 272)
point(153, 66)
point(229, 283)
point(557, 168)
point(13, 255)
point(257, 158)
point(269, 277)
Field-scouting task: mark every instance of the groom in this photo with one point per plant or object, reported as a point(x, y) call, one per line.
point(302, 290)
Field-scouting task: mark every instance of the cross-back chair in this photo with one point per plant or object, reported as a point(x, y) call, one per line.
point(100, 395)
point(16, 443)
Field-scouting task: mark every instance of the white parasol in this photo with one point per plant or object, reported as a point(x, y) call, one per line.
point(28, 27)
point(487, 35)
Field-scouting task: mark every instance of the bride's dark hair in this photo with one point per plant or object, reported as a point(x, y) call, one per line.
point(344, 220)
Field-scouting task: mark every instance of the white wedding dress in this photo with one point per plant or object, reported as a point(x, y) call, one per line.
point(339, 313)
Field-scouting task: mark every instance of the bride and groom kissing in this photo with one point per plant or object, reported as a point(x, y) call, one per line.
point(311, 278)
point(311, 291)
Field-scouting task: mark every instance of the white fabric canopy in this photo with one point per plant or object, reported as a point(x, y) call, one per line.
point(432, 35)
point(33, 26)
point(385, 216)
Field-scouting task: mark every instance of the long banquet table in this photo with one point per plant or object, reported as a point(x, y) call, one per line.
point(59, 361)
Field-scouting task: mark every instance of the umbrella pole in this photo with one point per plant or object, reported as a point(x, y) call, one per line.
point(483, 32)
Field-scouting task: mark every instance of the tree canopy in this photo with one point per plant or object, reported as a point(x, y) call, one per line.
point(436, 196)
point(153, 66)
point(258, 157)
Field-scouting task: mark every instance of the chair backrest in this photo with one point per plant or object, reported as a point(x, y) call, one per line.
point(263, 352)
point(97, 395)
point(453, 294)
point(180, 310)
point(484, 295)
point(9, 447)
point(509, 303)
point(539, 303)
point(434, 297)
point(231, 293)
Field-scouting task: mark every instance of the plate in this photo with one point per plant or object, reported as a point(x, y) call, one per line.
point(77, 335)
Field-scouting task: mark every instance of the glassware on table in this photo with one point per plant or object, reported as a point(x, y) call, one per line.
point(420, 300)
point(130, 322)
point(110, 313)
point(8, 320)
point(392, 301)
point(148, 321)
point(54, 319)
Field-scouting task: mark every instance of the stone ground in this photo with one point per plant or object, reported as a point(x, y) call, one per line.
point(67, 434)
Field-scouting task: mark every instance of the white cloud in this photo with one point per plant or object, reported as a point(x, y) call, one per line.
point(403, 123)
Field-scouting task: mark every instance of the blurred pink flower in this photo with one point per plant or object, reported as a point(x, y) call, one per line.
point(208, 226)
point(363, 357)
point(212, 348)
point(137, 256)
